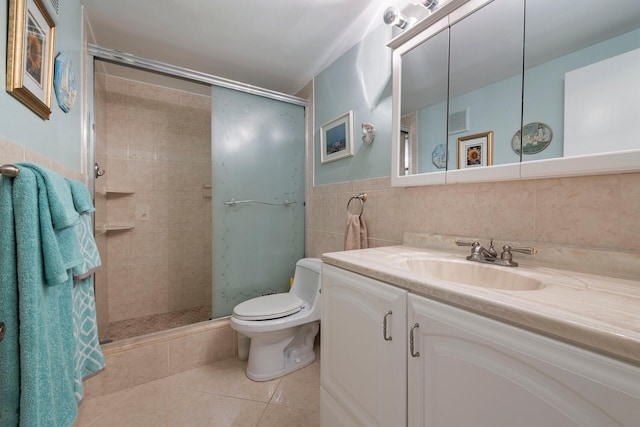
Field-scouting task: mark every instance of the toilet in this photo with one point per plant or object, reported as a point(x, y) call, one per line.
point(282, 327)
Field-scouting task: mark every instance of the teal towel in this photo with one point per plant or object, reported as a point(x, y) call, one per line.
point(58, 216)
point(9, 350)
point(82, 200)
point(88, 357)
point(63, 213)
point(46, 345)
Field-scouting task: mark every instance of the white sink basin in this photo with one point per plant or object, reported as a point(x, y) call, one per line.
point(471, 273)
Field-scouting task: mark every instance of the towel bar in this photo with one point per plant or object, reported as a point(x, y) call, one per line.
point(234, 202)
point(362, 197)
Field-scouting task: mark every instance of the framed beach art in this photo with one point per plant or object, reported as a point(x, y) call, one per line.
point(475, 150)
point(30, 47)
point(336, 138)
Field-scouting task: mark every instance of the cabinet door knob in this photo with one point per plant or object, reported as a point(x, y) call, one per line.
point(416, 353)
point(384, 326)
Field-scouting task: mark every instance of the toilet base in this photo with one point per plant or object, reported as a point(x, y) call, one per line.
point(280, 352)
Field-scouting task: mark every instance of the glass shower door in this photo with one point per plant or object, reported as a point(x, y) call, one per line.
point(258, 161)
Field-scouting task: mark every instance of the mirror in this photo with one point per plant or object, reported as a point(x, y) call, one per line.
point(581, 82)
point(423, 115)
point(574, 112)
point(485, 85)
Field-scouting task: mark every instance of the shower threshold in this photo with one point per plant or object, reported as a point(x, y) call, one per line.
point(139, 326)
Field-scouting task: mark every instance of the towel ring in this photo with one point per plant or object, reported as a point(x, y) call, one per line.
point(362, 197)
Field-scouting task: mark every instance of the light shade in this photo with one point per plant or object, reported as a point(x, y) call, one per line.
point(392, 16)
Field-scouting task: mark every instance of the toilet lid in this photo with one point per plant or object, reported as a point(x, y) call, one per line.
point(268, 307)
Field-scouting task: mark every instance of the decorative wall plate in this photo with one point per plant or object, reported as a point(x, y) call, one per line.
point(439, 156)
point(537, 137)
point(64, 82)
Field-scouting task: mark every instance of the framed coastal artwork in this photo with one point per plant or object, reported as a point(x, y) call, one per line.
point(475, 150)
point(30, 47)
point(336, 138)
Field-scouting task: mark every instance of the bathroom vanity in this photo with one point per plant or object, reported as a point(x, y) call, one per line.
point(423, 337)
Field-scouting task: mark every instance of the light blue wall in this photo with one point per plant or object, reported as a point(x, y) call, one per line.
point(360, 80)
point(59, 138)
point(343, 86)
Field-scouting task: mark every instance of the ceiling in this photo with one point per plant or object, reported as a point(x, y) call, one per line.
point(277, 44)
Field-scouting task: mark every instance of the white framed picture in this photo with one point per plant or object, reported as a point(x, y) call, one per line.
point(336, 138)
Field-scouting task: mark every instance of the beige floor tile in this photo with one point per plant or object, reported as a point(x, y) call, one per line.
point(211, 410)
point(300, 389)
point(225, 378)
point(92, 408)
point(218, 394)
point(151, 404)
point(279, 416)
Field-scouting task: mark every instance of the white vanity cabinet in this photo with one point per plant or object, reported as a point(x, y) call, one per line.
point(473, 370)
point(463, 369)
point(363, 366)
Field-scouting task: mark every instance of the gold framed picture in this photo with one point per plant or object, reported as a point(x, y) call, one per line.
point(475, 150)
point(30, 47)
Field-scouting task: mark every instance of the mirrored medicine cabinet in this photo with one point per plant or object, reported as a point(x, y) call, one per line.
point(491, 90)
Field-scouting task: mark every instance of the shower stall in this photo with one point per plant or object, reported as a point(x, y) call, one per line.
point(200, 204)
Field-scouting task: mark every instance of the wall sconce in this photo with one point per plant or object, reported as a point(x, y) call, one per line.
point(392, 16)
point(368, 133)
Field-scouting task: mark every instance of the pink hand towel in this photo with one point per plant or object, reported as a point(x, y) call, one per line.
point(356, 233)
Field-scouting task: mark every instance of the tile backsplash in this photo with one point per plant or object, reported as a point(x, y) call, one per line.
point(596, 212)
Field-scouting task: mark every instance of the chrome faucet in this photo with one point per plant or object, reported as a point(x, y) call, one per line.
point(490, 256)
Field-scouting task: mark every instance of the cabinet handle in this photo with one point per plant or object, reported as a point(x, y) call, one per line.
point(417, 353)
point(384, 326)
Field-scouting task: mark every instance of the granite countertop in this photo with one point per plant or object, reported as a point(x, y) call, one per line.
point(595, 312)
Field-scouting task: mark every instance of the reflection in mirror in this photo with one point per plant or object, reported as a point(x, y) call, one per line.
point(581, 82)
point(485, 84)
point(424, 106)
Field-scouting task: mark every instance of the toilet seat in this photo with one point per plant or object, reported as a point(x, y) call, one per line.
point(268, 307)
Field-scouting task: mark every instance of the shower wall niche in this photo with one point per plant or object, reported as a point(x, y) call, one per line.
point(153, 206)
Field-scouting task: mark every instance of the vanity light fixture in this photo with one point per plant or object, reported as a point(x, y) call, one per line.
point(429, 4)
point(392, 16)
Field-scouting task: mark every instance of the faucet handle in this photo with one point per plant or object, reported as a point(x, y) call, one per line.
point(467, 243)
point(508, 257)
point(524, 250)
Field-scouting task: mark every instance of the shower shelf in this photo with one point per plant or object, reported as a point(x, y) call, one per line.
point(115, 226)
point(117, 191)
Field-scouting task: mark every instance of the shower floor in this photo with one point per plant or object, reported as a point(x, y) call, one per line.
point(157, 322)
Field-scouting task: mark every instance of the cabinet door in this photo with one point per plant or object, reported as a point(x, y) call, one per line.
point(363, 372)
point(473, 370)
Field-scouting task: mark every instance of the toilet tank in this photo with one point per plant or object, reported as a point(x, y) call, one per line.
point(306, 280)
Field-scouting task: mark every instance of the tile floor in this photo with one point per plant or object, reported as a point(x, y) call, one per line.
point(218, 394)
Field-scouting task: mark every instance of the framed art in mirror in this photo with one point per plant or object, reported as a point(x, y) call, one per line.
point(475, 150)
point(336, 138)
point(30, 47)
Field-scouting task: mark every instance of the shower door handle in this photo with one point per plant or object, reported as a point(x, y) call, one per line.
point(98, 171)
point(2, 330)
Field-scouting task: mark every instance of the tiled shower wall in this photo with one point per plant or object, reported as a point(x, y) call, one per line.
point(157, 142)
